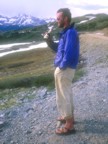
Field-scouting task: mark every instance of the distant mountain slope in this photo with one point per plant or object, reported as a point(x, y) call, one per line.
point(91, 22)
point(20, 22)
point(29, 30)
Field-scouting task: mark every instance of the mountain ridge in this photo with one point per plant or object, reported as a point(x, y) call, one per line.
point(86, 23)
point(21, 21)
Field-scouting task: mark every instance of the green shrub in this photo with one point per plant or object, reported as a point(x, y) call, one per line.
point(79, 73)
point(42, 80)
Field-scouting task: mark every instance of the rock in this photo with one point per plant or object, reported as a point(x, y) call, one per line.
point(11, 114)
point(3, 125)
point(28, 132)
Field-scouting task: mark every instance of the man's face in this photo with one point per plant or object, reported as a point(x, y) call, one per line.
point(60, 19)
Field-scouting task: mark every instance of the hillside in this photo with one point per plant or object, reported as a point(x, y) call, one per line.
point(28, 34)
point(83, 24)
point(92, 22)
point(31, 118)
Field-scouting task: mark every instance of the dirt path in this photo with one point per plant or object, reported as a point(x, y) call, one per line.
point(34, 121)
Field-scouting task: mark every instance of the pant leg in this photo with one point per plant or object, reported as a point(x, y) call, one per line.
point(64, 97)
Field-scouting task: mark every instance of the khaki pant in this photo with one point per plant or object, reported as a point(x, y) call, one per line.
point(64, 97)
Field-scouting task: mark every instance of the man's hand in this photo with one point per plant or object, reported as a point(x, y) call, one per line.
point(46, 36)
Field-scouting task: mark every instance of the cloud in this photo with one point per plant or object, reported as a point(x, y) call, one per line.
point(85, 2)
point(82, 7)
point(38, 8)
point(48, 8)
point(89, 5)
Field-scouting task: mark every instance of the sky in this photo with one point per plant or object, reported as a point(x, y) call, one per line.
point(48, 8)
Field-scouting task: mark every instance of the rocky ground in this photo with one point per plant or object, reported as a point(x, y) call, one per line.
point(33, 120)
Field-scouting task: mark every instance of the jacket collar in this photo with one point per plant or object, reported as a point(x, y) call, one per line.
point(65, 29)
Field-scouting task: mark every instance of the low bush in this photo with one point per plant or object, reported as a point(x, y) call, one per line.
point(42, 80)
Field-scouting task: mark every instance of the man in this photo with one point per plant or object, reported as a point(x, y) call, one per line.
point(66, 60)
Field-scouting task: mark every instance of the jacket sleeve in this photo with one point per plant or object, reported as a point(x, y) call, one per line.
point(71, 50)
point(53, 45)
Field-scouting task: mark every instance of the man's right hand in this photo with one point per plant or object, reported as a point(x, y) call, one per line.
point(46, 36)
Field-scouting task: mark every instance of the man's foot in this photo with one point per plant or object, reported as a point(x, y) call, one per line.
point(68, 128)
point(65, 131)
point(62, 120)
point(69, 123)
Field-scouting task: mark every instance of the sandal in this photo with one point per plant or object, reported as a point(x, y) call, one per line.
point(62, 120)
point(65, 131)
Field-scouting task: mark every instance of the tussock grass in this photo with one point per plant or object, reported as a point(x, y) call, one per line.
point(42, 80)
point(80, 72)
point(27, 69)
point(8, 104)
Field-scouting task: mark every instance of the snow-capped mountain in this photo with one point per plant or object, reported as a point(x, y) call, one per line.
point(3, 19)
point(19, 22)
point(48, 20)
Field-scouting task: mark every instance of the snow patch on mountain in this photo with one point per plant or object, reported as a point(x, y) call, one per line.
point(22, 20)
point(89, 18)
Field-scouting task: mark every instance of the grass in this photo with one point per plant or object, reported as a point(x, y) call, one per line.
point(8, 103)
point(79, 73)
point(42, 80)
point(30, 68)
point(26, 69)
point(11, 97)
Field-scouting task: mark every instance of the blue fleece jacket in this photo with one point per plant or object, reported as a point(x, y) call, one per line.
point(67, 49)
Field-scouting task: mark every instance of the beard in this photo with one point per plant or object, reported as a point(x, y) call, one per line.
point(60, 25)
